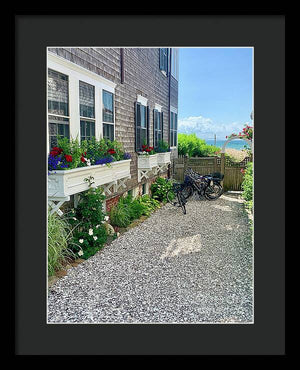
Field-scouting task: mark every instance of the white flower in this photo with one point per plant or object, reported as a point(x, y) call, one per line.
point(95, 237)
point(106, 218)
point(80, 241)
point(88, 162)
point(90, 231)
point(118, 234)
point(80, 253)
point(97, 226)
point(74, 218)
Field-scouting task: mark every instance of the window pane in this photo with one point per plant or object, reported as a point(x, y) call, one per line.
point(175, 123)
point(58, 93)
point(143, 116)
point(57, 126)
point(143, 136)
point(87, 130)
point(86, 100)
point(171, 124)
point(108, 107)
point(108, 131)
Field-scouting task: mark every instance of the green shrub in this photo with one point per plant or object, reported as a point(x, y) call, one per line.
point(160, 188)
point(129, 209)
point(191, 145)
point(162, 147)
point(149, 204)
point(119, 214)
point(89, 233)
point(247, 186)
point(59, 234)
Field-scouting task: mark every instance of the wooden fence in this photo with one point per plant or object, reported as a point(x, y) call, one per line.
point(205, 165)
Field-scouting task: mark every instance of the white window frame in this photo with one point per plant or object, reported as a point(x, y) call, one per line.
point(174, 63)
point(75, 74)
point(108, 123)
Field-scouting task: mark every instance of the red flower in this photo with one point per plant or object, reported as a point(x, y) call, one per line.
point(151, 148)
point(55, 151)
point(147, 150)
point(111, 151)
point(68, 158)
point(82, 159)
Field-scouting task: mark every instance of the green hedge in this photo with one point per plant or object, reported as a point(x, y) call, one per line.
point(247, 186)
point(191, 145)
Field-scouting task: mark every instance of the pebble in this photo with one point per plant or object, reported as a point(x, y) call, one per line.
point(157, 272)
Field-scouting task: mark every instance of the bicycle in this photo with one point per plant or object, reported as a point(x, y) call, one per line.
point(176, 197)
point(207, 186)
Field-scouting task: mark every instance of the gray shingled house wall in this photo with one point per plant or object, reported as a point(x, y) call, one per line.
point(142, 76)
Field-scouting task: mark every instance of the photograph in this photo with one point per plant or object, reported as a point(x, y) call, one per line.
point(150, 200)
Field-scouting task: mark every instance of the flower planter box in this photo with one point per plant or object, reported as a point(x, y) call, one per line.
point(68, 182)
point(146, 162)
point(163, 158)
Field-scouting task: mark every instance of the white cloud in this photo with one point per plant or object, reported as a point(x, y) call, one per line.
point(205, 128)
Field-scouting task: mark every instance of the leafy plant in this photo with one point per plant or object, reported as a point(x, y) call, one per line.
point(160, 188)
point(150, 204)
point(89, 233)
point(129, 209)
point(191, 145)
point(162, 147)
point(72, 154)
point(59, 235)
point(119, 215)
point(247, 186)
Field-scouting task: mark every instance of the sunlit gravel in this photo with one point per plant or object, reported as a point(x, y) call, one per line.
point(172, 268)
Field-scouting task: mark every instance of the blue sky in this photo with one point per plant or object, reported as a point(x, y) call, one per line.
point(215, 91)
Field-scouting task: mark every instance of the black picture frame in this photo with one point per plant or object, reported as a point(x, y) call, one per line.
point(33, 34)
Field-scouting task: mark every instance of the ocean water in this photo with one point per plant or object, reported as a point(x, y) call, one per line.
point(234, 144)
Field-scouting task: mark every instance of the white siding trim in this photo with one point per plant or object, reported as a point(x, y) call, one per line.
point(158, 107)
point(75, 74)
point(53, 58)
point(141, 99)
point(173, 109)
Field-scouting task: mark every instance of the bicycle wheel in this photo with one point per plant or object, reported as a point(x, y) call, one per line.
point(171, 197)
point(213, 191)
point(187, 191)
point(181, 201)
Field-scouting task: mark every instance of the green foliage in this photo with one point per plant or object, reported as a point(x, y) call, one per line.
point(59, 234)
point(119, 215)
point(72, 148)
point(129, 209)
point(162, 147)
point(149, 204)
point(89, 233)
point(160, 188)
point(247, 185)
point(192, 146)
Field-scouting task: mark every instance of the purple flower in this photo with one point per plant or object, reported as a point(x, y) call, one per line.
point(104, 160)
point(56, 163)
point(127, 155)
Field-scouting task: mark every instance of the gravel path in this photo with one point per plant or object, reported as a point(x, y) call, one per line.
point(172, 268)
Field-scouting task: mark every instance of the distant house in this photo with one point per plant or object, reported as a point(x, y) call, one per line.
point(124, 94)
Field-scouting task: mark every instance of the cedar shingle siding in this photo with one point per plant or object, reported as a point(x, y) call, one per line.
point(142, 76)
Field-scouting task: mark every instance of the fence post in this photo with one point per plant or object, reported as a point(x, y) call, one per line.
point(223, 167)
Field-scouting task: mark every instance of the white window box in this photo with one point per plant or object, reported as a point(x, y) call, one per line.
point(147, 162)
point(64, 183)
point(164, 158)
